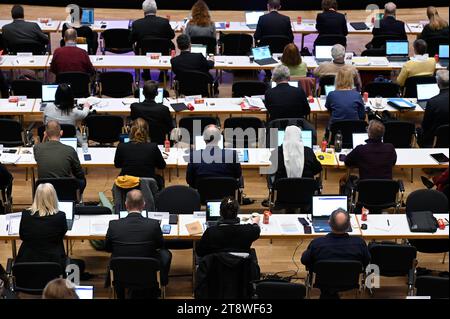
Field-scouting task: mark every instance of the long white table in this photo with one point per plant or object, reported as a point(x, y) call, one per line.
point(51, 26)
point(20, 108)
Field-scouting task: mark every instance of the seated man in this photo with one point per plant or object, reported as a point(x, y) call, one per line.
point(212, 161)
point(389, 25)
point(420, 65)
point(137, 236)
point(273, 23)
point(157, 115)
point(285, 101)
point(332, 68)
point(70, 58)
point(375, 159)
point(337, 245)
point(54, 159)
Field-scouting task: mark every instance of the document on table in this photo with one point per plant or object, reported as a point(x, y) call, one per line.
point(98, 227)
point(7, 158)
point(13, 223)
point(288, 227)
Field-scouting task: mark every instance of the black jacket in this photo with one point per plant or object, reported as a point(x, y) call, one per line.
point(436, 114)
point(134, 236)
point(42, 238)
point(157, 116)
point(285, 101)
point(331, 22)
point(23, 32)
point(273, 23)
point(428, 33)
point(188, 61)
point(390, 26)
point(138, 159)
point(151, 26)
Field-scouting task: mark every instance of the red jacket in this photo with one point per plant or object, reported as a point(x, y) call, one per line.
point(71, 59)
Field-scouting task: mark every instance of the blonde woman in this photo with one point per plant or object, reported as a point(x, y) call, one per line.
point(345, 103)
point(42, 229)
point(437, 27)
point(60, 289)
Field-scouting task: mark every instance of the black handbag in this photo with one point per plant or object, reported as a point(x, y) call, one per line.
point(422, 222)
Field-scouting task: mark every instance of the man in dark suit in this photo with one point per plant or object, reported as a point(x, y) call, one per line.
point(330, 21)
point(212, 161)
point(137, 236)
point(157, 115)
point(22, 32)
point(389, 25)
point(285, 101)
point(436, 112)
point(273, 23)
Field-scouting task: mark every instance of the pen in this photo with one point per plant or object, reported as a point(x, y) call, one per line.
point(388, 223)
point(447, 221)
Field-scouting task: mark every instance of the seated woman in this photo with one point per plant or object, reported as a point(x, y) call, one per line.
point(437, 27)
point(59, 289)
point(200, 25)
point(42, 229)
point(294, 159)
point(292, 59)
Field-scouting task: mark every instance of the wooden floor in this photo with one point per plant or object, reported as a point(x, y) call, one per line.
point(278, 256)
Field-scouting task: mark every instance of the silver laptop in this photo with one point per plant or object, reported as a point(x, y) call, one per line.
point(323, 53)
point(252, 18)
point(426, 92)
point(85, 292)
point(158, 99)
point(212, 213)
point(199, 48)
point(67, 207)
point(322, 207)
point(69, 141)
point(306, 137)
point(359, 139)
point(397, 51)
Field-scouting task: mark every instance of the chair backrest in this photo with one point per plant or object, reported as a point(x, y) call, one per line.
point(433, 286)
point(217, 188)
point(393, 259)
point(104, 129)
point(434, 43)
point(178, 199)
point(35, 48)
point(374, 52)
point(377, 193)
point(210, 42)
point(278, 289)
point(32, 89)
point(32, 277)
point(68, 131)
point(383, 89)
point(254, 124)
point(67, 188)
point(116, 84)
point(288, 110)
point(323, 81)
point(79, 82)
point(294, 193)
point(191, 122)
point(236, 44)
point(330, 40)
point(92, 210)
point(427, 200)
point(248, 88)
point(441, 137)
point(347, 128)
point(117, 40)
point(379, 41)
point(151, 44)
point(282, 123)
point(399, 133)
point(411, 84)
point(194, 83)
point(276, 43)
point(10, 133)
point(340, 275)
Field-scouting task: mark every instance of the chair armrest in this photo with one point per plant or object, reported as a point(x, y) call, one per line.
point(9, 265)
point(401, 186)
point(270, 181)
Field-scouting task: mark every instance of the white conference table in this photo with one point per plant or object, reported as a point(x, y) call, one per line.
point(51, 26)
point(102, 25)
point(14, 62)
point(21, 108)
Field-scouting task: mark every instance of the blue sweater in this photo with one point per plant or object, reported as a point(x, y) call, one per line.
point(345, 105)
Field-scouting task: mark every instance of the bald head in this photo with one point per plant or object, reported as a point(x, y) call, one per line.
point(390, 9)
point(53, 130)
point(135, 201)
point(339, 221)
point(211, 135)
point(70, 35)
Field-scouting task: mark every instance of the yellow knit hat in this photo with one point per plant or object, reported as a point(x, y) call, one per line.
point(127, 181)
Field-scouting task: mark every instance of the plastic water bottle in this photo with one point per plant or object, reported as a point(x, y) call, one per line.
point(84, 141)
point(338, 142)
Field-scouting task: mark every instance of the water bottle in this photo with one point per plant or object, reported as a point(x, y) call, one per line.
point(338, 142)
point(84, 141)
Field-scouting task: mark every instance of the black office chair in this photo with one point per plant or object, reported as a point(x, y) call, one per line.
point(335, 275)
point(435, 287)
point(197, 122)
point(383, 89)
point(2, 45)
point(217, 188)
point(255, 129)
point(116, 84)
point(68, 131)
point(330, 40)
point(377, 194)
point(441, 137)
point(276, 43)
point(278, 289)
point(248, 88)
point(435, 202)
point(35, 48)
point(79, 81)
point(194, 83)
point(282, 123)
point(324, 81)
point(347, 128)
point(152, 44)
point(434, 43)
point(288, 110)
point(92, 210)
point(104, 129)
point(410, 88)
point(32, 89)
point(67, 188)
point(374, 52)
point(292, 194)
point(399, 133)
point(84, 35)
point(379, 41)
point(395, 260)
point(116, 41)
point(136, 273)
point(236, 44)
point(210, 42)
point(10, 133)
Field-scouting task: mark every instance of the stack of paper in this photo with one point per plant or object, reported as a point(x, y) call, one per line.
point(13, 223)
point(7, 158)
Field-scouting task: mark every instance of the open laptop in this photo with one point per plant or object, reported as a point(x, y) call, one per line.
point(85, 292)
point(200, 144)
point(359, 139)
point(426, 92)
point(158, 99)
point(306, 137)
point(443, 55)
point(83, 47)
point(87, 18)
point(124, 213)
point(291, 83)
point(397, 50)
point(322, 207)
point(323, 53)
point(242, 156)
point(67, 207)
point(252, 18)
point(329, 88)
point(199, 48)
point(48, 94)
point(212, 213)
point(69, 141)
point(263, 56)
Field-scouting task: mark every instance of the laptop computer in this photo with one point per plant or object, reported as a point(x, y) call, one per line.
point(212, 213)
point(158, 99)
point(426, 92)
point(83, 47)
point(252, 18)
point(242, 156)
point(69, 141)
point(359, 139)
point(291, 83)
point(85, 292)
point(200, 143)
point(323, 53)
point(87, 18)
point(329, 88)
point(263, 56)
point(443, 55)
point(322, 207)
point(199, 48)
point(48, 94)
point(306, 137)
point(67, 207)
point(124, 213)
point(397, 51)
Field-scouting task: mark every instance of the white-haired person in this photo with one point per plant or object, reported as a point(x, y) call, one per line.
point(389, 25)
point(59, 288)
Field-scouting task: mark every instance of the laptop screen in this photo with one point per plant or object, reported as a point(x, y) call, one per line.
point(397, 48)
point(253, 17)
point(261, 53)
point(306, 137)
point(67, 208)
point(87, 16)
point(329, 88)
point(48, 92)
point(158, 99)
point(427, 91)
point(443, 51)
point(85, 292)
point(243, 156)
point(69, 141)
point(323, 206)
point(124, 213)
point(200, 144)
point(212, 210)
point(324, 52)
point(83, 47)
point(359, 139)
point(198, 48)
point(291, 83)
